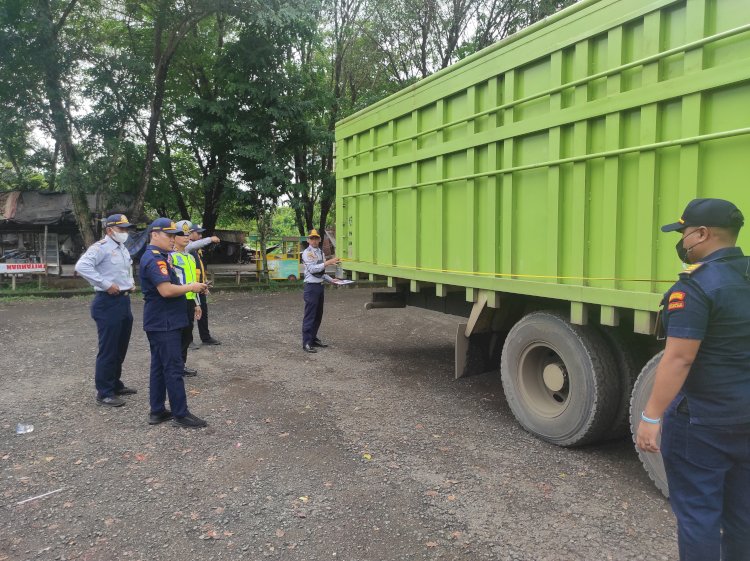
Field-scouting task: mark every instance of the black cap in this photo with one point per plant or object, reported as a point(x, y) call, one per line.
point(708, 212)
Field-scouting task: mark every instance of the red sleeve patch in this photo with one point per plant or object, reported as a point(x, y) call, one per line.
point(163, 268)
point(677, 297)
point(677, 305)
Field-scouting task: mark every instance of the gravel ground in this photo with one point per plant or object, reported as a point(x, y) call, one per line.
point(369, 450)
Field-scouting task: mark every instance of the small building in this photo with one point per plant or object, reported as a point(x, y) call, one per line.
point(40, 227)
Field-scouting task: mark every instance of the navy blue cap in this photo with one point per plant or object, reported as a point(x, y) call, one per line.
point(197, 228)
point(708, 212)
point(165, 225)
point(119, 220)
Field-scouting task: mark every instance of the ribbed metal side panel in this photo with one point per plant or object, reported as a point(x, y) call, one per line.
point(545, 164)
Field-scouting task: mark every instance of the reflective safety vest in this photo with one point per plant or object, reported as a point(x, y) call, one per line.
point(184, 265)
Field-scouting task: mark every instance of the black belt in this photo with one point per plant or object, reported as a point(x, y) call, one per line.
point(121, 293)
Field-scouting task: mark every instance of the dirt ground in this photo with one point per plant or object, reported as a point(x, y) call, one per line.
point(369, 450)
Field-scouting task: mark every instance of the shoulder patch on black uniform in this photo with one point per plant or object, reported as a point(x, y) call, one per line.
point(155, 251)
point(690, 269)
point(676, 300)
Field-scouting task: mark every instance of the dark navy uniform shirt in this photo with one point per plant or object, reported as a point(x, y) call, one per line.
point(159, 313)
point(711, 303)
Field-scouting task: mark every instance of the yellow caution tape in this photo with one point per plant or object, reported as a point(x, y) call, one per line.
point(509, 275)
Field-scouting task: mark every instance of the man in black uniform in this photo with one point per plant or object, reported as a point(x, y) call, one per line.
point(164, 317)
point(195, 248)
point(702, 387)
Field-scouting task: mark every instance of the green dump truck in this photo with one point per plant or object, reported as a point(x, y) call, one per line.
point(523, 188)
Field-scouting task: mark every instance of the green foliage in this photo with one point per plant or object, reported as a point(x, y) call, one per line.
point(252, 94)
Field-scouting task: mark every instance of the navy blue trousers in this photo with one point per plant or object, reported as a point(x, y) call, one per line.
point(314, 300)
point(167, 368)
point(203, 331)
point(187, 332)
point(708, 471)
point(114, 322)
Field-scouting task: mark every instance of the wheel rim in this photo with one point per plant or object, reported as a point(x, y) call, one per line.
point(543, 380)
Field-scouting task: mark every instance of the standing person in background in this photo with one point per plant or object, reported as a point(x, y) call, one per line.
point(107, 267)
point(315, 275)
point(195, 248)
point(164, 317)
point(184, 265)
point(702, 387)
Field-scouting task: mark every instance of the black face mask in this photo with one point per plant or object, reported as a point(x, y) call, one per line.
point(683, 252)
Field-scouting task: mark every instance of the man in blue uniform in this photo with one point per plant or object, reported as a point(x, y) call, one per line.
point(702, 387)
point(164, 317)
point(315, 275)
point(107, 267)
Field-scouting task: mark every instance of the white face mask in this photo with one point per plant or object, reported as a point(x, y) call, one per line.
point(119, 237)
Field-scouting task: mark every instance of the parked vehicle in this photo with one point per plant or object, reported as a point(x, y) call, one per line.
point(524, 187)
point(283, 256)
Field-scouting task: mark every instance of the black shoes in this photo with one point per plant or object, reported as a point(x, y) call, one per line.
point(110, 401)
point(189, 421)
point(190, 372)
point(310, 347)
point(156, 418)
point(126, 391)
point(212, 341)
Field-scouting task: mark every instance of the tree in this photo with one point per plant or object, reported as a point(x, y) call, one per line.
point(201, 96)
point(168, 23)
point(41, 45)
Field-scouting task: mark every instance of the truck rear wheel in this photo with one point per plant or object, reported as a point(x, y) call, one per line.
point(558, 379)
point(641, 391)
point(629, 360)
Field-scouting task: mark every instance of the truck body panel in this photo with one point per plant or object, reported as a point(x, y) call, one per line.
point(545, 164)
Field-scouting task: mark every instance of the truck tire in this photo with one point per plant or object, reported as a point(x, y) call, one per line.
point(629, 360)
point(558, 379)
point(641, 391)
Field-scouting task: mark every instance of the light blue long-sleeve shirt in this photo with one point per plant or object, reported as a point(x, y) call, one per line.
point(106, 263)
point(197, 244)
point(315, 266)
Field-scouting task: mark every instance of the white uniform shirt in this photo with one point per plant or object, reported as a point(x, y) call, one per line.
point(315, 266)
point(106, 263)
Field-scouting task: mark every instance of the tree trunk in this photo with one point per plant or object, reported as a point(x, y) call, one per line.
point(160, 80)
point(48, 35)
point(264, 229)
point(299, 220)
point(165, 159)
point(213, 194)
point(53, 167)
point(325, 208)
